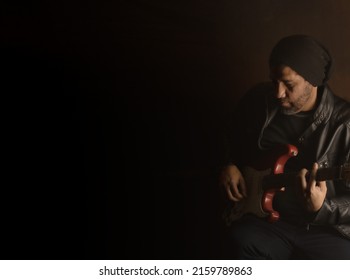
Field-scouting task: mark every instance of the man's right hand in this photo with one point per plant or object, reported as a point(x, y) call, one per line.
point(232, 180)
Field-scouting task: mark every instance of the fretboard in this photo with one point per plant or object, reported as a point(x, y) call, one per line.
point(279, 180)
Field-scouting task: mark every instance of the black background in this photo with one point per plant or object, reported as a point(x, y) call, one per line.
point(113, 113)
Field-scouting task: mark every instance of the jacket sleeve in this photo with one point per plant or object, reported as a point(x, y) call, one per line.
point(334, 211)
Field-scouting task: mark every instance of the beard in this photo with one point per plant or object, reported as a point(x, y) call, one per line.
point(297, 105)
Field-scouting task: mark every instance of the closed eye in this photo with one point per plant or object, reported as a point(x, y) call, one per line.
point(289, 86)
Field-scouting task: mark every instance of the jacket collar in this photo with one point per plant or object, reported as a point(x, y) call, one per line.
point(325, 106)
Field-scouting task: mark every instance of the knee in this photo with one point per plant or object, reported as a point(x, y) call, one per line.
point(243, 245)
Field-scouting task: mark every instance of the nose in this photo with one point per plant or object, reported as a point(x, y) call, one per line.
point(280, 90)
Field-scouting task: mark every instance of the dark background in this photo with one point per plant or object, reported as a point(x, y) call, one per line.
point(113, 113)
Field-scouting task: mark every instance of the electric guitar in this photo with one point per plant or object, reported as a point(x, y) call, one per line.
point(262, 184)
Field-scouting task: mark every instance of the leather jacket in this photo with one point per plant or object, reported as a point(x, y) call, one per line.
point(326, 141)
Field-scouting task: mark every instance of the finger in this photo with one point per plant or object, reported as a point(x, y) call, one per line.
point(234, 193)
point(312, 179)
point(302, 179)
point(230, 196)
point(229, 192)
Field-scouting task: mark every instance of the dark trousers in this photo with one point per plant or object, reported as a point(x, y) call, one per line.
point(254, 238)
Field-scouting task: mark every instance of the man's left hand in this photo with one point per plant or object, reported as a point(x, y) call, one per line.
point(314, 192)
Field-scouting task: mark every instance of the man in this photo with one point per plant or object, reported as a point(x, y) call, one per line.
point(297, 108)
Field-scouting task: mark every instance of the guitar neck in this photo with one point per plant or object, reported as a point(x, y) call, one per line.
point(278, 180)
point(331, 173)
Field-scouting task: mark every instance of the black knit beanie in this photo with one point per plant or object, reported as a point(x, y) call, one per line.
point(306, 56)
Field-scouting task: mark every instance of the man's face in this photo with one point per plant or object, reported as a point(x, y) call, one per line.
point(293, 91)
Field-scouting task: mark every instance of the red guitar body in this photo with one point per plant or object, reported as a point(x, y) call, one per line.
point(260, 191)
